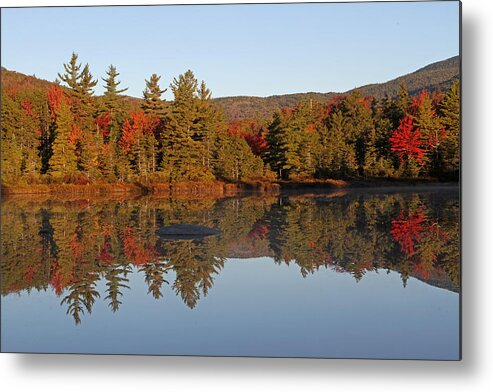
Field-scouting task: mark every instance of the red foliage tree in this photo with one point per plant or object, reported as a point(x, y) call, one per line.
point(252, 133)
point(139, 124)
point(406, 142)
point(55, 99)
point(103, 123)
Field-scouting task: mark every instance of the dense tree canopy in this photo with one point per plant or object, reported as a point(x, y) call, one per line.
point(58, 133)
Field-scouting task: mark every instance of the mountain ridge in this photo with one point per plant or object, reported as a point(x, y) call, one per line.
point(437, 75)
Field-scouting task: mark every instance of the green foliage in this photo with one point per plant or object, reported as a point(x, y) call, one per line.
point(63, 160)
point(112, 95)
point(109, 138)
point(449, 111)
point(153, 105)
point(235, 160)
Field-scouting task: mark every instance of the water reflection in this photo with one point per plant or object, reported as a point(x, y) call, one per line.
point(75, 247)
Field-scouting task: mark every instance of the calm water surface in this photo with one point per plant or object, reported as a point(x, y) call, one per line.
point(348, 275)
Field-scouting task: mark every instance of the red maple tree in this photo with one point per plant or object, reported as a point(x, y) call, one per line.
point(406, 142)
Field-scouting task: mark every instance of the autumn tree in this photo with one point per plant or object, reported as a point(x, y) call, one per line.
point(81, 89)
point(407, 143)
point(138, 141)
point(430, 129)
point(63, 160)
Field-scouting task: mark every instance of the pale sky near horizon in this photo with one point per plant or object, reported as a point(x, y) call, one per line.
point(259, 50)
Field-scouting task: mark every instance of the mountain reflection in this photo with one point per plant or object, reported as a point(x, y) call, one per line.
point(78, 247)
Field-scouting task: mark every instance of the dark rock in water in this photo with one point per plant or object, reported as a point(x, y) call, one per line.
point(185, 232)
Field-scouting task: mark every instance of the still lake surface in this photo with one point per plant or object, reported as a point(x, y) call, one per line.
point(368, 274)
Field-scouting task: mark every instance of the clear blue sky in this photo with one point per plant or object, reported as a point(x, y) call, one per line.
point(237, 49)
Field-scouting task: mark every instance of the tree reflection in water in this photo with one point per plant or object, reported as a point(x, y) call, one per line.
point(71, 246)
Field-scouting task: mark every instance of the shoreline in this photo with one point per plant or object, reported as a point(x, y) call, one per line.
point(222, 189)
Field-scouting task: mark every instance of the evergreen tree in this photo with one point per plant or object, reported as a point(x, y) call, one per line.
point(81, 85)
point(181, 153)
point(112, 95)
point(337, 158)
point(209, 123)
point(153, 105)
point(88, 145)
point(86, 87)
point(449, 111)
point(111, 106)
point(275, 154)
point(235, 160)
point(63, 160)
point(72, 76)
point(11, 137)
point(360, 130)
point(403, 101)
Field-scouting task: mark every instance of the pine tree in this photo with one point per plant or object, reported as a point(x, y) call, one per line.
point(449, 111)
point(112, 95)
point(81, 85)
point(153, 105)
point(209, 123)
point(63, 160)
point(72, 76)
point(360, 130)
point(403, 101)
point(111, 107)
point(87, 147)
point(337, 155)
point(181, 153)
point(11, 137)
point(86, 88)
point(235, 160)
point(275, 153)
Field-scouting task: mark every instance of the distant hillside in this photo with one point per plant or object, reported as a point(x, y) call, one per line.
point(17, 81)
point(13, 81)
point(437, 75)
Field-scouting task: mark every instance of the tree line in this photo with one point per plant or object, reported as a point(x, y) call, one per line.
point(68, 135)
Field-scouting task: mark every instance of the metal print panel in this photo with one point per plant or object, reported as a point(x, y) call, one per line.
point(277, 180)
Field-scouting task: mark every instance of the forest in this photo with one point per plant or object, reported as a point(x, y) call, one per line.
point(62, 133)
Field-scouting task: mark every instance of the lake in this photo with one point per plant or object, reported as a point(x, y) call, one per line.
point(356, 274)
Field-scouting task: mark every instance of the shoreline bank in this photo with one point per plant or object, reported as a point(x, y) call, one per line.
point(220, 189)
